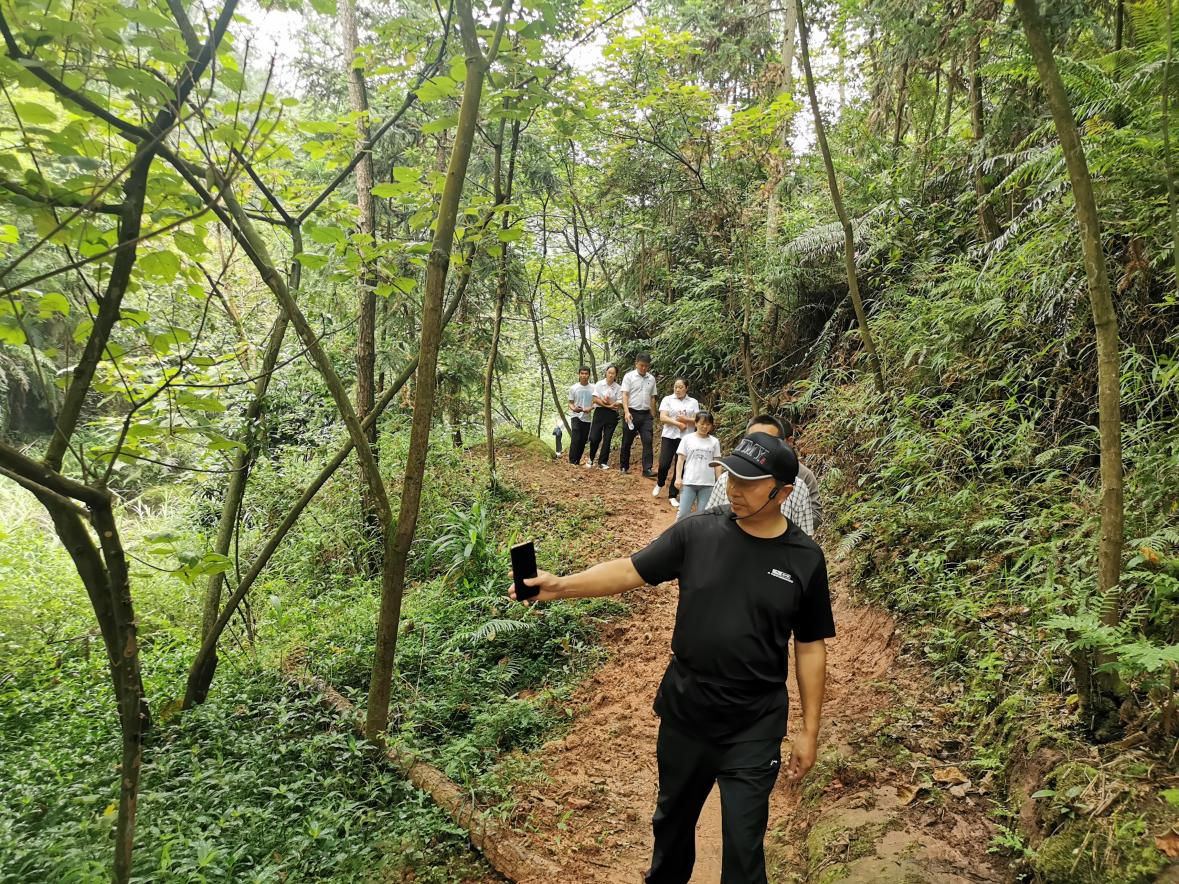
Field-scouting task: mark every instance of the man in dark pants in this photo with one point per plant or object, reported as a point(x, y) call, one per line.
point(581, 406)
point(749, 580)
point(638, 398)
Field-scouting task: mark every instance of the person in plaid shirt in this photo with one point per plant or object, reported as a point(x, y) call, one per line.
point(797, 508)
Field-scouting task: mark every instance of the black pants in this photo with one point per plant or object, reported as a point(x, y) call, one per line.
point(601, 432)
point(667, 456)
point(578, 433)
point(745, 772)
point(642, 422)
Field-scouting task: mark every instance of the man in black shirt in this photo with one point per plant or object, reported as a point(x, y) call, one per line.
point(749, 580)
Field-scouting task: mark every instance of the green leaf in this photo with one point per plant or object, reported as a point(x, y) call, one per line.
point(1044, 793)
point(34, 114)
point(438, 88)
point(310, 261)
point(324, 7)
point(9, 233)
point(440, 125)
point(327, 236)
point(10, 332)
point(511, 234)
point(164, 341)
point(1171, 796)
point(385, 190)
point(191, 245)
point(54, 302)
point(162, 266)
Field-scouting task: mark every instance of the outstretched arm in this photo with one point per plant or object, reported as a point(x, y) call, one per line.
point(607, 578)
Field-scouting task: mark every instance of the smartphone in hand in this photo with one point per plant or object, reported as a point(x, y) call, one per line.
point(524, 566)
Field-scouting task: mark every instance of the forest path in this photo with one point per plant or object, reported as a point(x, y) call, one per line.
point(864, 807)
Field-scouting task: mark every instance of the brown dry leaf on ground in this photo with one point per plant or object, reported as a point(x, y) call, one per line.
point(1168, 844)
point(950, 776)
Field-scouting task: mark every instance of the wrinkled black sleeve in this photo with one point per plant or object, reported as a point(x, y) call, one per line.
point(814, 619)
point(663, 558)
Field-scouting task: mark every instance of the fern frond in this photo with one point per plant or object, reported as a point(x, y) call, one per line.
point(491, 629)
point(851, 541)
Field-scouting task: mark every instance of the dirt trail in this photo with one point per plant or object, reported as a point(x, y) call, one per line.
point(858, 809)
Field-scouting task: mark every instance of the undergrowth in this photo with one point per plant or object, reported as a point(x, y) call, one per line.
point(259, 784)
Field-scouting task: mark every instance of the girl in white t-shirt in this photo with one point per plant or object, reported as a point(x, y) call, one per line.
point(676, 415)
point(694, 476)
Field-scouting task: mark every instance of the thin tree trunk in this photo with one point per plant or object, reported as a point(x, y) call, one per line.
point(1105, 322)
point(902, 94)
point(1168, 163)
point(423, 412)
point(1120, 23)
point(243, 459)
point(544, 364)
point(986, 215)
point(951, 85)
point(849, 242)
point(778, 168)
point(366, 354)
point(502, 194)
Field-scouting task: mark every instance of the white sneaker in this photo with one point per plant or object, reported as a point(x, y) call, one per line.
point(675, 503)
point(589, 465)
point(655, 491)
point(605, 467)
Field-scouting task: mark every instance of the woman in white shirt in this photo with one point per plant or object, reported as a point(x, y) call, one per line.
point(677, 416)
point(608, 399)
point(693, 474)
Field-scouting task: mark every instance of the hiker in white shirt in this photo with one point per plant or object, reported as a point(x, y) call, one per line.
point(677, 416)
point(797, 507)
point(581, 405)
point(638, 397)
point(607, 402)
point(694, 476)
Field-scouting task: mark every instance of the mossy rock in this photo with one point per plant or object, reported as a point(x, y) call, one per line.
point(521, 440)
point(1099, 852)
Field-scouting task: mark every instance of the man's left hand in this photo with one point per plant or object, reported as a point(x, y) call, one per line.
point(802, 756)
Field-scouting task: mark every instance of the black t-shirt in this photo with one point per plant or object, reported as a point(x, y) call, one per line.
point(741, 598)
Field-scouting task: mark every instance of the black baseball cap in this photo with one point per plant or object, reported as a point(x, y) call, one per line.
point(761, 456)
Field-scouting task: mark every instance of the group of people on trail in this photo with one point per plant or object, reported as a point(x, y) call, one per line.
point(751, 580)
point(686, 445)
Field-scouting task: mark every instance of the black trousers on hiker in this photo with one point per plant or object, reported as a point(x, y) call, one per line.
point(642, 421)
point(667, 456)
point(578, 433)
point(746, 773)
point(601, 432)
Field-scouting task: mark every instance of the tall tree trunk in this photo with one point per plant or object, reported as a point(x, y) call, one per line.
point(986, 215)
point(377, 716)
point(1101, 705)
point(785, 87)
point(1168, 164)
point(502, 194)
point(1119, 24)
point(951, 85)
point(849, 242)
point(898, 131)
point(366, 346)
point(544, 364)
point(243, 459)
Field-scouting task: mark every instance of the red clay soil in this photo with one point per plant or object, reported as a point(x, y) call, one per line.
point(591, 818)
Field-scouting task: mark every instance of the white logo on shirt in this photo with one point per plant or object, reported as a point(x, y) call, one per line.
point(781, 575)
